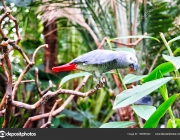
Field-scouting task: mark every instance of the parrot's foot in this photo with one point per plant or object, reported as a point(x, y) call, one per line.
point(99, 86)
point(102, 81)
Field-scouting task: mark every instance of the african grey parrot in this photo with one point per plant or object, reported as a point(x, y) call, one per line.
point(99, 61)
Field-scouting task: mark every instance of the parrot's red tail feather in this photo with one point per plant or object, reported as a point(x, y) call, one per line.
point(66, 67)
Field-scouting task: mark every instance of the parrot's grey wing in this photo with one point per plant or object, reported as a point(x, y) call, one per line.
point(96, 57)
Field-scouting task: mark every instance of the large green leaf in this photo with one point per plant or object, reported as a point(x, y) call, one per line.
point(130, 96)
point(174, 39)
point(174, 60)
point(126, 49)
point(138, 36)
point(132, 78)
point(164, 68)
point(144, 111)
point(153, 121)
point(117, 124)
point(72, 76)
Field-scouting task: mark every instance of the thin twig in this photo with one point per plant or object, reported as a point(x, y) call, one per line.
point(15, 46)
point(34, 54)
point(36, 81)
point(16, 26)
point(1, 31)
point(25, 71)
point(50, 114)
point(52, 31)
point(129, 44)
point(48, 88)
point(4, 4)
point(102, 42)
point(25, 81)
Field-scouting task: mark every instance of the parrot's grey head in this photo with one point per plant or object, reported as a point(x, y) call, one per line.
point(132, 61)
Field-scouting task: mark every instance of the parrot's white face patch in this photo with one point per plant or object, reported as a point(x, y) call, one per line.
point(131, 59)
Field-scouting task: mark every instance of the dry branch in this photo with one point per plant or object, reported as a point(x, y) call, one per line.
point(50, 114)
point(37, 84)
point(8, 94)
point(25, 71)
point(25, 81)
point(36, 81)
point(15, 46)
point(57, 111)
point(48, 95)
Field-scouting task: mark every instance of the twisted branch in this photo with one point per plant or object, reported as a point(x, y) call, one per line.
point(57, 111)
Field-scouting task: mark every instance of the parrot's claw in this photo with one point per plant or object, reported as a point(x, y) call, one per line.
point(102, 80)
point(99, 86)
point(101, 83)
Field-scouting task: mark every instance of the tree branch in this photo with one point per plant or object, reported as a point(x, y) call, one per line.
point(25, 71)
point(8, 93)
point(49, 94)
point(57, 111)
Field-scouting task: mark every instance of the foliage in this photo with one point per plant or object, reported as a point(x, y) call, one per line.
point(150, 84)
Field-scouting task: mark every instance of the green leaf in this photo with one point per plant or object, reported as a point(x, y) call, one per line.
point(174, 39)
point(144, 111)
point(55, 123)
point(174, 60)
point(177, 121)
point(176, 51)
point(126, 49)
point(153, 121)
point(132, 78)
point(164, 68)
point(138, 36)
point(130, 96)
point(72, 76)
point(170, 123)
point(74, 114)
point(117, 124)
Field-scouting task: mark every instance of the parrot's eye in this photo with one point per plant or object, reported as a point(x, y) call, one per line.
point(131, 66)
point(130, 58)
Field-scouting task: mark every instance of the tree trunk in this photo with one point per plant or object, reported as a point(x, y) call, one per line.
point(50, 53)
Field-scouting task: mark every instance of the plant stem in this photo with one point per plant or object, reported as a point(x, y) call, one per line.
point(165, 97)
point(166, 44)
point(178, 81)
point(121, 80)
point(138, 120)
point(125, 88)
point(171, 54)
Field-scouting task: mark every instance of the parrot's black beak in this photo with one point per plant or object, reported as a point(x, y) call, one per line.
point(134, 66)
